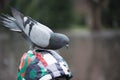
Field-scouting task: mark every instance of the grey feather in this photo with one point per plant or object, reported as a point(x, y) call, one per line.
point(9, 22)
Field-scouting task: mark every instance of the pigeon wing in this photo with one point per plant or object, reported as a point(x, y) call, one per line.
point(18, 16)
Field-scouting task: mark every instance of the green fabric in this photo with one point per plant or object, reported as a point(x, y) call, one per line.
point(33, 74)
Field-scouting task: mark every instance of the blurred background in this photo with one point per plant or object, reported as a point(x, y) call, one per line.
point(93, 27)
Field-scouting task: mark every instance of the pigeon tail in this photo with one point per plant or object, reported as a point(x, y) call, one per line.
point(9, 22)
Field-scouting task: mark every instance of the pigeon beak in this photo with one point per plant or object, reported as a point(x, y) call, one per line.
point(67, 46)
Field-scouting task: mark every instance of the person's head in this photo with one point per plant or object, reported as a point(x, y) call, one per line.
point(43, 65)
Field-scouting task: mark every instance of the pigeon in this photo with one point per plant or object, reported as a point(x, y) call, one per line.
point(37, 34)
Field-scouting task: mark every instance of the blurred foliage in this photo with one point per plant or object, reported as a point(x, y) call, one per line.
point(80, 19)
point(60, 14)
point(111, 14)
point(53, 13)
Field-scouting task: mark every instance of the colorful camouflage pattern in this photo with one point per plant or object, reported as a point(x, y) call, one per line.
point(42, 65)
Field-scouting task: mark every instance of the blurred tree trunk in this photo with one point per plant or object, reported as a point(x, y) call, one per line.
point(94, 71)
point(95, 7)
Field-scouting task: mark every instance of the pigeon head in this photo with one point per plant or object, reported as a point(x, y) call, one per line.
point(58, 41)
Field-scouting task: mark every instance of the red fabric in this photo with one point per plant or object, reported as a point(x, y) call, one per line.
point(40, 57)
